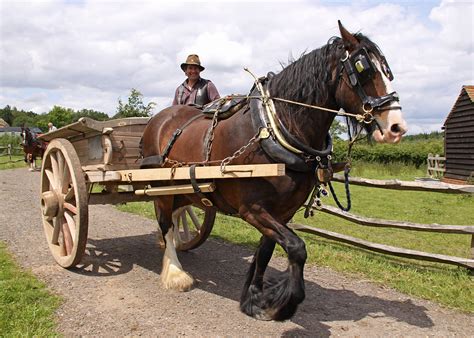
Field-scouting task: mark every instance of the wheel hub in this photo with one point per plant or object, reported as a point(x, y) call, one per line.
point(49, 203)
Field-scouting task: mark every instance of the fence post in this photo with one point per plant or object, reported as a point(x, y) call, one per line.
point(428, 167)
point(472, 246)
point(9, 150)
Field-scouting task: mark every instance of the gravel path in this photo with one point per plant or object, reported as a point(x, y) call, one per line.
point(116, 292)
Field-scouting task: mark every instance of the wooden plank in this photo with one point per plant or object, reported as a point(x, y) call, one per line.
point(458, 119)
point(463, 128)
point(460, 164)
point(382, 223)
point(117, 198)
point(385, 249)
point(182, 173)
point(175, 190)
point(408, 185)
point(102, 176)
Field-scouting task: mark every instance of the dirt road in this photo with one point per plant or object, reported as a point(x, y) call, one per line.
point(116, 291)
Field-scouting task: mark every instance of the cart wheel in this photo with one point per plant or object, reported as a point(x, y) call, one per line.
point(64, 203)
point(194, 227)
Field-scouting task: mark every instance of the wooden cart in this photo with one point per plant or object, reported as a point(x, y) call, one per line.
point(91, 153)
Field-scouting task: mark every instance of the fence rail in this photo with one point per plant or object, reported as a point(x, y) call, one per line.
point(386, 249)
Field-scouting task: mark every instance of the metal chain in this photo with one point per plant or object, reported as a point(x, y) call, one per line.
point(239, 151)
point(211, 135)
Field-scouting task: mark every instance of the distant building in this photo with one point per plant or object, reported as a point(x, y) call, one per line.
point(3, 124)
point(16, 131)
point(459, 139)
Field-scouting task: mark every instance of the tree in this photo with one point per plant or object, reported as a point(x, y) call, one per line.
point(134, 107)
point(337, 129)
point(59, 116)
point(7, 115)
point(93, 114)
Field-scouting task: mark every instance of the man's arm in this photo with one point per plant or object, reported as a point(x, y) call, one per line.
point(212, 91)
point(175, 100)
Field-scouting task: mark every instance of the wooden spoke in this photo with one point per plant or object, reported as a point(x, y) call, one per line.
point(55, 168)
point(56, 230)
point(71, 223)
point(70, 207)
point(194, 218)
point(51, 178)
point(184, 221)
point(69, 194)
point(67, 237)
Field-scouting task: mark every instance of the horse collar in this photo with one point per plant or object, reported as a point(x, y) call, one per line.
point(296, 156)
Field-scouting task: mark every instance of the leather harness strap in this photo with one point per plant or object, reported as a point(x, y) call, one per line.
point(204, 200)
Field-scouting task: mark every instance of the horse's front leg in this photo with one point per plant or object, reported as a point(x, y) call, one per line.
point(172, 275)
point(279, 297)
point(252, 300)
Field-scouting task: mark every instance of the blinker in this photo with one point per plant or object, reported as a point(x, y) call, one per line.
point(362, 63)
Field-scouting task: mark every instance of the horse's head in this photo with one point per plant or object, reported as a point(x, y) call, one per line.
point(365, 87)
point(24, 136)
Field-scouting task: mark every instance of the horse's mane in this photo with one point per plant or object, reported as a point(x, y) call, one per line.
point(309, 78)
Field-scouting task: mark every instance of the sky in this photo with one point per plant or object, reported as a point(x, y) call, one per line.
point(89, 54)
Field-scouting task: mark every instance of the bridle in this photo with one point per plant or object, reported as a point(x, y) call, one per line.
point(360, 69)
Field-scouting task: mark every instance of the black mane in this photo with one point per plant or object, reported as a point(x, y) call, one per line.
point(309, 79)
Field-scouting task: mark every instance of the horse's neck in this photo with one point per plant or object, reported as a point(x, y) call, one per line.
point(309, 125)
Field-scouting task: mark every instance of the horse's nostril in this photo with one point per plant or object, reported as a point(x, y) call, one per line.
point(395, 128)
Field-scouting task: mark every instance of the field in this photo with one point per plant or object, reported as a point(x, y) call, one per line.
point(27, 307)
point(447, 285)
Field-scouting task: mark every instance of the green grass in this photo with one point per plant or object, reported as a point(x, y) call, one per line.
point(448, 285)
point(15, 162)
point(27, 308)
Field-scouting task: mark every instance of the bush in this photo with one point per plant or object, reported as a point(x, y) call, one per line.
point(413, 152)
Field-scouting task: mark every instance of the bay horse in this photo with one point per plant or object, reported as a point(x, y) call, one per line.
point(32, 147)
point(349, 72)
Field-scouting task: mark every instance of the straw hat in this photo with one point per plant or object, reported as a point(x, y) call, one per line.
point(192, 59)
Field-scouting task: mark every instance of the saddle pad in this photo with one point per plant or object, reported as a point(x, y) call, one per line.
point(226, 106)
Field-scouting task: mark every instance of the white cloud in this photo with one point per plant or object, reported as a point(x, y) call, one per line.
point(88, 54)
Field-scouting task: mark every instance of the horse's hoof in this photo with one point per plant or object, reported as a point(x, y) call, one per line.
point(263, 316)
point(31, 169)
point(177, 280)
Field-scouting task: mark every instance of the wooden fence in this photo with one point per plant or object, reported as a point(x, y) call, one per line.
point(436, 166)
point(386, 249)
point(9, 151)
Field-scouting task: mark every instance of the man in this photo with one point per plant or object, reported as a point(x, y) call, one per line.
point(51, 127)
point(195, 90)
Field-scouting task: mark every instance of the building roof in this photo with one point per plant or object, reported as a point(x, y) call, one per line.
point(469, 90)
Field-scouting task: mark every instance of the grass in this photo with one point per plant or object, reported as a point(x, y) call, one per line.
point(447, 285)
point(27, 308)
point(15, 162)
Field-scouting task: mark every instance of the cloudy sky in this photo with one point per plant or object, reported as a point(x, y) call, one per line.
point(88, 54)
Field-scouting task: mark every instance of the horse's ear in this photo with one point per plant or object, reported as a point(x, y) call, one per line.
point(350, 42)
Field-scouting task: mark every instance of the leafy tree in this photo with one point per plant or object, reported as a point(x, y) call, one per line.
point(134, 107)
point(337, 129)
point(60, 116)
point(23, 118)
point(93, 114)
point(7, 115)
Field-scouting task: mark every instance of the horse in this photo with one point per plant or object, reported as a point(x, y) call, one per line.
point(284, 120)
point(32, 147)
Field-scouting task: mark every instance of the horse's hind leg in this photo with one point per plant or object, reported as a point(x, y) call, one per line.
point(172, 275)
point(278, 299)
